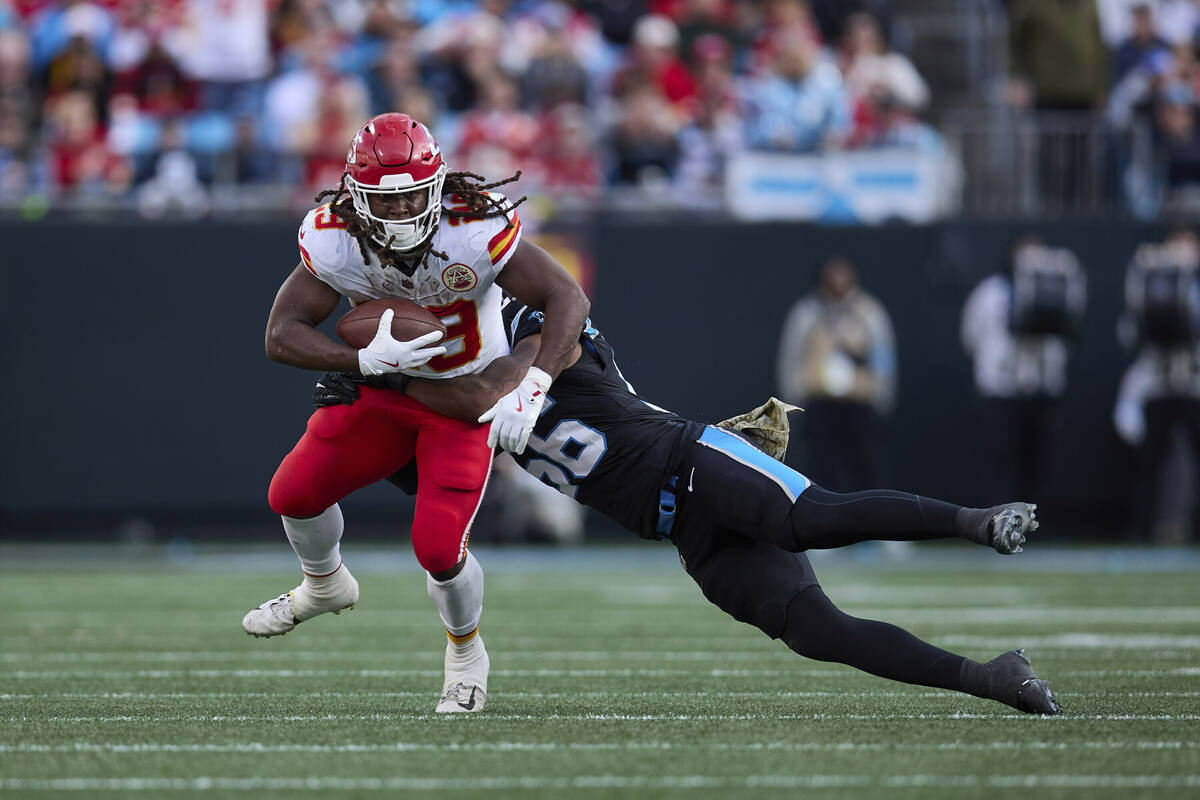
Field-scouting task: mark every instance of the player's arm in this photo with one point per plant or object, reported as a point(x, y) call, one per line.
point(468, 396)
point(537, 280)
point(304, 302)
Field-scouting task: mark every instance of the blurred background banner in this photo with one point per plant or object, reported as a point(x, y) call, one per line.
point(963, 231)
point(842, 188)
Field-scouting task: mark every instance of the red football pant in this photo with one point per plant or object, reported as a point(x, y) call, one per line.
point(348, 447)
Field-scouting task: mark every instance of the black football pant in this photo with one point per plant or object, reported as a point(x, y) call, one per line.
point(727, 483)
point(738, 533)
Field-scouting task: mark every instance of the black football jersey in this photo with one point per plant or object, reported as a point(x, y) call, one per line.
point(596, 440)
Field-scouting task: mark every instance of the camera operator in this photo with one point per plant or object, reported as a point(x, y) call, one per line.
point(1160, 391)
point(1016, 326)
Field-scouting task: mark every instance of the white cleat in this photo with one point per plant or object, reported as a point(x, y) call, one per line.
point(465, 689)
point(314, 596)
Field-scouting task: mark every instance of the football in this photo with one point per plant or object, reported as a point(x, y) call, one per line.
point(357, 328)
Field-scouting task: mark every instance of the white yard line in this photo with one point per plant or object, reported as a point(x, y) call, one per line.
point(794, 672)
point(504, 746)
point(763, 694)
point(322, 784)
point(401, 717)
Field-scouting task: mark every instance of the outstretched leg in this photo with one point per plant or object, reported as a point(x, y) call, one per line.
point(724, 479)
point(777, 592)
point(821, 519)
point(818, 629)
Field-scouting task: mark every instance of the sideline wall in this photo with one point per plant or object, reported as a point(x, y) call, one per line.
point(136, 383)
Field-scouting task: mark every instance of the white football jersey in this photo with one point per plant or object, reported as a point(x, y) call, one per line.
point(460, 289)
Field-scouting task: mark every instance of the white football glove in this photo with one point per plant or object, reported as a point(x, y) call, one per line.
point(384, 354)
point(515, 414)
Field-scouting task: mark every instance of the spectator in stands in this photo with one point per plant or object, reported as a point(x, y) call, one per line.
point(17, 96)
point(228, 51)
point(1142, 43)
point(715, 132)
point(497, 137)
point(1178, 136)
point(654, 60)
point(1016, 327)
point(53, 28)
point(16, 170)
point(870, 68)
point(706, 18)
point(800, 105)
point(555, 75)
point(885, 90)
point(292, 99)
point(567, 166)
point(832, 16)
point(81, 162)
point(341, 109)
point(78, 68)
point(250, 162)
point(1056, 56)
point(174, 186)
point(159, 83)
point(837, 359)
point(463, 54)
point(616, 17)
point(394, 76)
point(644, 146)
point(1159, 396)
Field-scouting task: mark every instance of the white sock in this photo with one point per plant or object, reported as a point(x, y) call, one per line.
point(459, 600)
point(315, 540)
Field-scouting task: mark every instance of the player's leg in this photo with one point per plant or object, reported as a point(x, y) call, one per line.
point(454, 462)
point(821, 519)
point(777, 592)
point(818, 629)
point(343, 449)
point(744, 489)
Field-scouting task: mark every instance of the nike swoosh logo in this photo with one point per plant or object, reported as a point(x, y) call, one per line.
point(519, 405)
point(301, 234)
point(691, 475)
point(390, 363)
point(470, 704)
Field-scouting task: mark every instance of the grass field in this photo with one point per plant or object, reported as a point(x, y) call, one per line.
point(610, 677)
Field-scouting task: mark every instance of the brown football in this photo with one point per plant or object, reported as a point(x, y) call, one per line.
point(357, 328)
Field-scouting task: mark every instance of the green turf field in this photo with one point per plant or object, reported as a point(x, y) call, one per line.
point(611, 676)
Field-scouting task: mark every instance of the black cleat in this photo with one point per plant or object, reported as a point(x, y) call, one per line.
point(1014, 682)
point(1008, 524)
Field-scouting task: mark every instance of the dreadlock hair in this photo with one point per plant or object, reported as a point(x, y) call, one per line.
point(466, 186)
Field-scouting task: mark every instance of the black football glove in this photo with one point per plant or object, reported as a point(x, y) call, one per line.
point(335, 388)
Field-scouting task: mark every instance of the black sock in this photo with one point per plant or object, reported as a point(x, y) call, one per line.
point(823, 519)
point(976, 679)
point(818, 629)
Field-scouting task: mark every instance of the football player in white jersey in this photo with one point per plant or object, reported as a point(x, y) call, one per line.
point(401, 225)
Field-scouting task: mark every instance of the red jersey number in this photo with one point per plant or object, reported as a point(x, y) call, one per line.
point(462, 324)
point(325, 218)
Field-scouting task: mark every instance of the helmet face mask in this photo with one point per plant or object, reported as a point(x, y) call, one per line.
point(405, 233)
point(393, 155)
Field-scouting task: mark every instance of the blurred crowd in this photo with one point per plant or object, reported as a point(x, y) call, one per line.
point(159, 101)
point(1133, 61)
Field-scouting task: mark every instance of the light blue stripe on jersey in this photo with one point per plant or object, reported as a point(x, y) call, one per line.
point(741, 451)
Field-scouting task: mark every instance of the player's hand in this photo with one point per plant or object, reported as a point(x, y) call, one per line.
point(515, 414)
point(335, 389)
point(384, 354)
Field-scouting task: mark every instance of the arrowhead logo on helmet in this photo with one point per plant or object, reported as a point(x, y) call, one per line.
point(393, 154)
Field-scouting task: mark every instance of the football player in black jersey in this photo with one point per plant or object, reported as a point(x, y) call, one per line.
point(740, 519)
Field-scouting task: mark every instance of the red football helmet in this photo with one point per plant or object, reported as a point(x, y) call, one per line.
point(394, 154)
